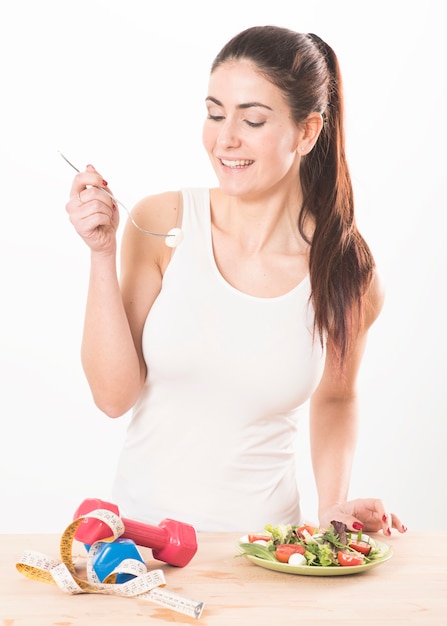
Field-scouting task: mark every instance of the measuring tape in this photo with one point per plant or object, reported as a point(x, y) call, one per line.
point(147, 585)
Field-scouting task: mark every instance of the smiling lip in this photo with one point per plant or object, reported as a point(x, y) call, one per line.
point(236, 163)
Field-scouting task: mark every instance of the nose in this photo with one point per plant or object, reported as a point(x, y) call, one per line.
point(229, 135)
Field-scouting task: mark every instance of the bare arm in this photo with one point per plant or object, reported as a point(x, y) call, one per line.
point(333, 429)
point(333, 432)
point(116, 308)
point(108, 353)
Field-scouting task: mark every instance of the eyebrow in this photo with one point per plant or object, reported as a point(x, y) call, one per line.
point(243, 105)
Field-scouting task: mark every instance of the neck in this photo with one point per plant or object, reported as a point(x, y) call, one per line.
point(258, 224)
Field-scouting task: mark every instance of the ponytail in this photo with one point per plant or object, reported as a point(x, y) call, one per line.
point(341, 263)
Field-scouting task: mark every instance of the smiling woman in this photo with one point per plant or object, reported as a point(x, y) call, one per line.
point(266, 304)
point(127, 87)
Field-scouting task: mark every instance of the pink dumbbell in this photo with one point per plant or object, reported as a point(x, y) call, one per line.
point(171, 541)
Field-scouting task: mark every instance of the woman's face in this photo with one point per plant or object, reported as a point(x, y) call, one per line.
point(249, 134)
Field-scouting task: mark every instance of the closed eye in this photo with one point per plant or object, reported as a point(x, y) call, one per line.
point(215, 118)
point(254, 124)
point(219, 118)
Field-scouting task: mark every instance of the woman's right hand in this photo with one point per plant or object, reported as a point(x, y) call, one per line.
point(92, 212)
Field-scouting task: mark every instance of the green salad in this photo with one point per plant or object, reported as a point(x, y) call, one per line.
point(334, 546)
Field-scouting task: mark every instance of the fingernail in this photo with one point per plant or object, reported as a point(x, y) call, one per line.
point(388, 531)
point(404, 529)
point(357, 526)
point(384, 517)
point(113, 207)
point(105, 183)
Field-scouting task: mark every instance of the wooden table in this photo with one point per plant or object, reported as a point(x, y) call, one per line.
point(410, 588)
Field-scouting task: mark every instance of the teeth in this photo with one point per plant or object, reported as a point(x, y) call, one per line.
point(240, 163)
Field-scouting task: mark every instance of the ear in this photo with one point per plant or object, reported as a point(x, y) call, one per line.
point(311, 128)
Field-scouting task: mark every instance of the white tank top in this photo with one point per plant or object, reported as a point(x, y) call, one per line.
point(212, 438)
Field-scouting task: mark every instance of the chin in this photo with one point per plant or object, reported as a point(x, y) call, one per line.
point(235, 187)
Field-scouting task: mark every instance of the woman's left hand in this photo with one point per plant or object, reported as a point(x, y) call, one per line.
point(368, 514)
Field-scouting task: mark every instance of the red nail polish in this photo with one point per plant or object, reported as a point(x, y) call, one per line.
point(357, 526)
point(384, 517)
point(105, 183)
point(404, 529)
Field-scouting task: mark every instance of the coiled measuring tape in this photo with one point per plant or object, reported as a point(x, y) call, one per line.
point(147, 585)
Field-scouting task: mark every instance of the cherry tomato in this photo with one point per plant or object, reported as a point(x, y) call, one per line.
point(284, 550)
point(253, 538)
point(361, 546)
point(310, 529)
point(348, 559)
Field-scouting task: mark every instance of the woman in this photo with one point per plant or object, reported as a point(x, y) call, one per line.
point(265, 304)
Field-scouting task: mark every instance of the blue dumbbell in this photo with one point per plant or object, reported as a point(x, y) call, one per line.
point(111, 554)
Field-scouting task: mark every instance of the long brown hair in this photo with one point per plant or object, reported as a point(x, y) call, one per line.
point(341, 264)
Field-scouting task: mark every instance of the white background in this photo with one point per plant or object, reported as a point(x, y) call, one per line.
point(121, 84)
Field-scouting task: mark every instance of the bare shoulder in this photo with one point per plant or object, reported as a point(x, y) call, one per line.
point(159, 212)
point(338, 384)
point(374, 300)
point(154, 214)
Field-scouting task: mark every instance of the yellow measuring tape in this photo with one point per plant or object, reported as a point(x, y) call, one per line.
point(147, 585)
